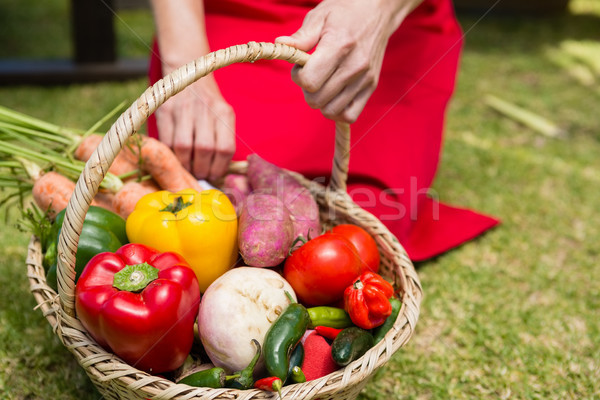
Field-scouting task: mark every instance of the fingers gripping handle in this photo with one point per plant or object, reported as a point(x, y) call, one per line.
point(132, 119)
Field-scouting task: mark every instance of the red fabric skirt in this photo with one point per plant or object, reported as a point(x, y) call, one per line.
point(396, 141)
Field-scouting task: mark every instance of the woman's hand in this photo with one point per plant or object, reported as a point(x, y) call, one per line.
point(197, 123)
point(350, 38)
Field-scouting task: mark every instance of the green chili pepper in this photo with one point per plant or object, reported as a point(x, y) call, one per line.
point(297, 356)
point(282, 338)
point(244, 379)
point(381, 330)
point(296, 359)
point(332, 317)
point(212, 378)
point(350, 344)
point(298, 375)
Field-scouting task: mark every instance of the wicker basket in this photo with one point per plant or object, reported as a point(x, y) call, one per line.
point(117, 380)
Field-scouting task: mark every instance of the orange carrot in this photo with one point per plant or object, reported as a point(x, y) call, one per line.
point(123, 163)
point(158, 160)
point(52, 191)
point(127, 197)
point(86, 147)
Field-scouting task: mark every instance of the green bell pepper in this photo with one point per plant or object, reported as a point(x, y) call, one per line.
point(102, 230)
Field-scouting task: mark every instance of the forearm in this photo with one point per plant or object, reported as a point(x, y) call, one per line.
point(181, 31)
point(398, 10)
point(198, 124)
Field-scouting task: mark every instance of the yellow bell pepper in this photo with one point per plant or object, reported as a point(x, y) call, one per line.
point(200, 226)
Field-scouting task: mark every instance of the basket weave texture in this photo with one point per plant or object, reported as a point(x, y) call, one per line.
point(117, 380)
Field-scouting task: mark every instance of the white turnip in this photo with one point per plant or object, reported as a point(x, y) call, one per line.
point(240, 306)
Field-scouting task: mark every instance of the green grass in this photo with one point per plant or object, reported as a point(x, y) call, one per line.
point(512, 314)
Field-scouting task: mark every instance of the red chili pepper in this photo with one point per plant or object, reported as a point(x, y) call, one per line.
point(327, 332)
point(367, 300)
point(141, 305)
point(271, 383)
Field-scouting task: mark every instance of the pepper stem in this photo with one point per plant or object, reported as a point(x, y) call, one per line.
point(134, 278)
point(299, 239)
point(289, 296)
point(177, 205)
point(277, 387)
point(245, 377)
point(230, 377)
point(254, 361)
point(358, 284)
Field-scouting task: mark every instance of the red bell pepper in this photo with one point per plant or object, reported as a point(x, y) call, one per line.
point(141, 305)
point(367, 300)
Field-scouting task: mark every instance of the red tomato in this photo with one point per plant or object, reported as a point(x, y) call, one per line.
point(322, 268)
point(364, 243)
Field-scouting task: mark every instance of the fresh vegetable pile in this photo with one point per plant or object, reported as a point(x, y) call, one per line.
point(235, 287)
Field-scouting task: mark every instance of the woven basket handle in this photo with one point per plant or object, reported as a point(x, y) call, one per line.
point(132, 119)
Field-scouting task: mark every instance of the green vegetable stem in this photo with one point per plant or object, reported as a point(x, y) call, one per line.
point(244, 379)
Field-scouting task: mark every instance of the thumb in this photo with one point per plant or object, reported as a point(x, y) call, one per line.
point(307, 36)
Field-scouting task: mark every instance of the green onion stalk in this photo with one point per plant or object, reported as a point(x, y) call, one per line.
point(30, 147)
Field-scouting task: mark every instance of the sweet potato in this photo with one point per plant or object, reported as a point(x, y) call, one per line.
point(265, 177)
point(237, 188)
point(265, 231)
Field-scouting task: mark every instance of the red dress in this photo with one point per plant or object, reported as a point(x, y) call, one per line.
point(396, 141)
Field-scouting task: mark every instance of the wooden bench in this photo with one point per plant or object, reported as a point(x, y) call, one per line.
point(94, 56)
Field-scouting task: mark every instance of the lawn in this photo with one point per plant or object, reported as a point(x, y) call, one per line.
point(512, 314)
